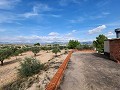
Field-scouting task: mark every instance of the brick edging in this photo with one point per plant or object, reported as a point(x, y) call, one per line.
point(55, 81)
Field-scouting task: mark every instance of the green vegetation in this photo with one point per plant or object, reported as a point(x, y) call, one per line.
point(99, 43)
point(9, 51)
point(30, 66)
point(56, 50)
point(46, 48)
point(6, 53)
point(73, 44)
point(84, 47)
point(35, 50)
point(37, 44)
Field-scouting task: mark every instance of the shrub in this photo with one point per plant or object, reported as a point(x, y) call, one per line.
point(30, 66)
point(56, 50)
point(35, 50)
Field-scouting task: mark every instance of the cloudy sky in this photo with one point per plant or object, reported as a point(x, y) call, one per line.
point(57, 20)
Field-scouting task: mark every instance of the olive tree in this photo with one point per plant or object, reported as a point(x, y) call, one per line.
point(4, 54)
point(35, 50)
point(56, 50)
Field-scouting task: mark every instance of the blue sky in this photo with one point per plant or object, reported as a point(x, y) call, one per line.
point(57, 20)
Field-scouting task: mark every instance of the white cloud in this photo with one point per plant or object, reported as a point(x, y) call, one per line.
point(54, 15)
point(29, 14)
point(74, 31)
point(35, 38)
point(68, 34)
point(34, 12)
point(51, 37)
point(105, 13)
point(37, 10)
point(110, 34)
point(97, 29)
point(7, 17)
point(53, 34)
point(8, 4)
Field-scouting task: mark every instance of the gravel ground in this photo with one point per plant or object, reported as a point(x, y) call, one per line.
point(90, 71)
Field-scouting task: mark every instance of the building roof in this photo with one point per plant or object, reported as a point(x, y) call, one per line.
point(113, 39)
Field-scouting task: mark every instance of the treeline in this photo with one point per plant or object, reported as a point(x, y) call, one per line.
point(11, 51)
point(75, 44)
point(8, 51)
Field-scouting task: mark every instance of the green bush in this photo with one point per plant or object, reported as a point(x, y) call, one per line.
point(72, 44)
point(56, 50)
point(30, 66)
point(35, 50)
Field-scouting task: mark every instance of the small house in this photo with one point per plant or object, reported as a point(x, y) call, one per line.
point(112, 47)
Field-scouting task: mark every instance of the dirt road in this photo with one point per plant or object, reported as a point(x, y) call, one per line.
point(90, 71)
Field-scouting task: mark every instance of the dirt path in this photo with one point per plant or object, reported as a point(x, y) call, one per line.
point(89, 71)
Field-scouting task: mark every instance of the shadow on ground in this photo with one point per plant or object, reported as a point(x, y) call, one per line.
point(103, 56)
point(12, 61)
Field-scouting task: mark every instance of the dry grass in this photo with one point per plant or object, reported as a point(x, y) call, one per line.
point(8, 72)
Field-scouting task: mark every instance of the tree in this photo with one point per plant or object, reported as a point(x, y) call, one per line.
point(56, 50)
point(46, 49)
point(99, 43)
point(37, 44)
point(73, 44)
point(4, 54)
point(35, 50)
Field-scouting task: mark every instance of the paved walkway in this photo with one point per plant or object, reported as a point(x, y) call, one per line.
point(89, 71)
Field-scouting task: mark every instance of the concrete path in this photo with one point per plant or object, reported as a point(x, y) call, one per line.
point(89, 71)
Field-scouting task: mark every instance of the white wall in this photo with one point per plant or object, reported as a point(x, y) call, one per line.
point(106, 46)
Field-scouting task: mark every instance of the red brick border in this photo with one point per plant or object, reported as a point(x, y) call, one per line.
point(55, 81)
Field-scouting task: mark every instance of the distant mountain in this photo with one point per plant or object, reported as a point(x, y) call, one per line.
point(15, 43)
point(87, 42)
point(58, 43)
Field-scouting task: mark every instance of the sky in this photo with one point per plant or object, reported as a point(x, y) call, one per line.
point(32, 21)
